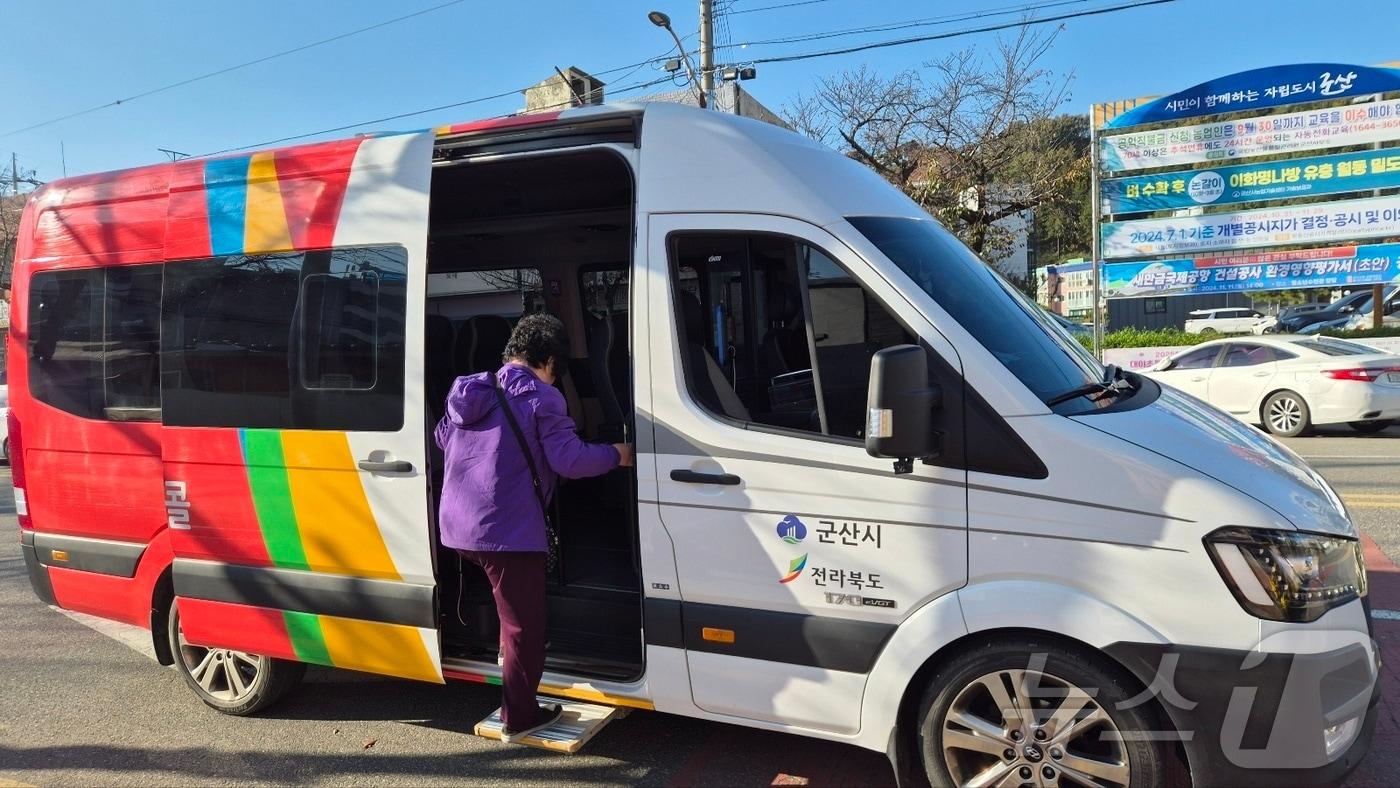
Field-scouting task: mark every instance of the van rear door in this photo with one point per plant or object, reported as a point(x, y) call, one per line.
point(292, 397)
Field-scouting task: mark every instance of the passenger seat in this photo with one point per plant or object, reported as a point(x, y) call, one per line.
point(706, 377)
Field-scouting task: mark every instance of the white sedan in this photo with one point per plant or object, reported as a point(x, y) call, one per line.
point(1288, 383)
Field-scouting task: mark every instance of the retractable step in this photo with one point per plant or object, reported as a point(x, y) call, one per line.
point(579, 723)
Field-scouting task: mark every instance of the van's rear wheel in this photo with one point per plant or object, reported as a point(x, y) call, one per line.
point(234, 682)
point(1031, 713)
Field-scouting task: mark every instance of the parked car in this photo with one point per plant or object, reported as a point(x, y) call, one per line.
point(1290, 383)
point(1269, 325)
point(1225, 320)
point(1337, 323)
point(1342, 307)
point(1363, 317)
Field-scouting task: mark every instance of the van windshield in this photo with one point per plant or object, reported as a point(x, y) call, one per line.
point(1020, 334)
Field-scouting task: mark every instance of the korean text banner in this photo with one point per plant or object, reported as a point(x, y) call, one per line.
point(1263, 87)
point(1373, 217)
point(1258, 136)
point(1332, 267)
point(1274, 180)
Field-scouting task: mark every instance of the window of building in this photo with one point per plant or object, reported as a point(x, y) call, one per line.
point(755, 311)
point(310, 340)
point(1155, 306)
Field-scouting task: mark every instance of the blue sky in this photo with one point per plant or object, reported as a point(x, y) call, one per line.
point(69, 55)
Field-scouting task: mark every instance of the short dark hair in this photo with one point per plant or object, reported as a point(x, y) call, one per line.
point(536, 339)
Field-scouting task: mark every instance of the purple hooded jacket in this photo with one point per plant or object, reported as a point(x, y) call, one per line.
point(488, 501)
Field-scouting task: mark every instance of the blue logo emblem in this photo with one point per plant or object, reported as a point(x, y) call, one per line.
point(792, 530)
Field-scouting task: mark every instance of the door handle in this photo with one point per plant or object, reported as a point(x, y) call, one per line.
point(386, 466)
point(1198, 378)
point(1262, 374)
point(696, 477)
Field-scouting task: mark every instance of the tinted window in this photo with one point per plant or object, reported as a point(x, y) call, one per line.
point(94, 341)
point(1250, 355)
point(994, 313)
point(757, 306)
point(65, 340)
point(1197, 359)
point(132, 328)
point(1335, 347)
point(296, 340)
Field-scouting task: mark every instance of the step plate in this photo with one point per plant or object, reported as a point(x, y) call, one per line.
point(579, 723)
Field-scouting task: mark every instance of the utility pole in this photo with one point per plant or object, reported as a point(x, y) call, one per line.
point(707, 50)
point(14, 175)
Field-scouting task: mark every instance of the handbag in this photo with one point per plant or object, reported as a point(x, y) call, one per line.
point(551, 533)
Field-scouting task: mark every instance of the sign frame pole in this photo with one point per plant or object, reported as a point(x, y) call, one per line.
point(1094, 241)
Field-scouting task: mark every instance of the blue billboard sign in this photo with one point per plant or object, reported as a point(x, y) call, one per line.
point(1260, 88)
point(1275, 180)
point(1338, 266)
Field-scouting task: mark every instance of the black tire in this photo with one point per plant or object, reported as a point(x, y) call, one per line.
point(1370, 427)
point(1149, 763)
point(1286, 414)
point(1207, 330)
point(272, 679)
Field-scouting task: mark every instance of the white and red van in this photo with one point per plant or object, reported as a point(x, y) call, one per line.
point(224, 373)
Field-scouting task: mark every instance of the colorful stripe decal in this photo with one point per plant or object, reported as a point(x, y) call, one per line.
point(371, 646)
point(308, 642)
point(311, 507)
point(272, 497)
point(265, 218)
point(271, 201)
point(226, 192)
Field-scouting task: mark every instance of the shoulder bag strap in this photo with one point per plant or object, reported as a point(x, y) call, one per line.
point(524, 447)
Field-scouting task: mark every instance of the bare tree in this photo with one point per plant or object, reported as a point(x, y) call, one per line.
point(971, 138)
point(11, 208)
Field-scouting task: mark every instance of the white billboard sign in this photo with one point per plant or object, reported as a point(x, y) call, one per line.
point(1372, 217)
point(1258, 136)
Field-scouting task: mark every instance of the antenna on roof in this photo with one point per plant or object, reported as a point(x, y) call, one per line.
point(569, 83)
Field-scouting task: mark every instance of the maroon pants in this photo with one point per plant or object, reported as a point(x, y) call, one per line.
point(517, 582)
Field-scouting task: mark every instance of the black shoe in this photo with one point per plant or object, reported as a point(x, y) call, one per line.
point(545, 717)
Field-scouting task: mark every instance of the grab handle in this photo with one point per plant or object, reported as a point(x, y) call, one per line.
point(389, 466)
point(696, 477)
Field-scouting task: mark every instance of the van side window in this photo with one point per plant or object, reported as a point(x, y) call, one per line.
point(296, 340)
point(94, 341)
point(65, 340)
point(755, 310)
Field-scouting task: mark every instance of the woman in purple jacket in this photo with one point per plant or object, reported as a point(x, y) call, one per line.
point(490, 512)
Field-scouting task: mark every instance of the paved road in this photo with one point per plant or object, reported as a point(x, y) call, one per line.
point(81, 707)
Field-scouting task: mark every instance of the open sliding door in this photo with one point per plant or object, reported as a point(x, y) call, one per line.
point(292, 397)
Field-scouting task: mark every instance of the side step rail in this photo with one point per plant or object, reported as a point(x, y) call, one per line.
point(579, 723)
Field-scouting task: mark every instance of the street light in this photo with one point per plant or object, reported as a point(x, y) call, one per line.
point(663, 21)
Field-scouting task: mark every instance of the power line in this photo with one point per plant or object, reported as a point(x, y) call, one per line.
point(911, 23)
point(236, 67)
point(775, 59)
point(955, 33)
point(403, 115)
point(778, 6)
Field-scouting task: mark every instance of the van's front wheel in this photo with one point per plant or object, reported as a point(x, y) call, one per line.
point(1033, 713)
point(233, 682)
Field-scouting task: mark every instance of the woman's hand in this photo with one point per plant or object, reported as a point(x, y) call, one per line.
point(624, 453)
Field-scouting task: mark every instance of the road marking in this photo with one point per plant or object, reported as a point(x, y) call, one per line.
point(1386, 615)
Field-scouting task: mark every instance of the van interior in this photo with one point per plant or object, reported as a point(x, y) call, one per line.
point(505, 240)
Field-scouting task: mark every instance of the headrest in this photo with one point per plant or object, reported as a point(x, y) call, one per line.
point(693, 317)
point(783, 303)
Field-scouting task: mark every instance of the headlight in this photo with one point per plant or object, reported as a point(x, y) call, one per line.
point(1287, 575)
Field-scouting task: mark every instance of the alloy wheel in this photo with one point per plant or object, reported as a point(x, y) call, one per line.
point(1024, 727)
point(1285, 414)
point(224, 674)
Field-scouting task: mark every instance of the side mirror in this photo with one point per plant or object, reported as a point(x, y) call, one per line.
point(899, 407)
